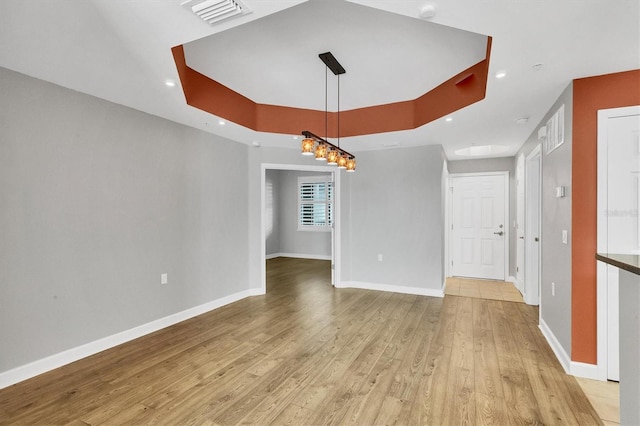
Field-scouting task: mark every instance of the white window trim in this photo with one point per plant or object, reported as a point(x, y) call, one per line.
point(314, 179)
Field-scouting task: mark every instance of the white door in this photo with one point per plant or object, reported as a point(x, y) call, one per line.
point(520, 224)
point(533, 173)
point(618, 207)
point(479, 231)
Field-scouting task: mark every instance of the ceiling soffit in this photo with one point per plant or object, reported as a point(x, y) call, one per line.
point(279, 87)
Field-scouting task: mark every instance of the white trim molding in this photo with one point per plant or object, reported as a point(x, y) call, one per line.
point(432, 292)
point(588, 371)
point(32, 369)
point(518, 285)
point(578, 369)
point(557, 348)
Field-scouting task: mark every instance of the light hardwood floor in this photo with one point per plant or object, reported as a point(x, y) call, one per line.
point(603, 396)
point(605, 399)
point(483, 289)
point(306, 353)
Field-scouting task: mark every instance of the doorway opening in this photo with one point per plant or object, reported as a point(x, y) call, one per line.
point(618, 222)
point(329, 239)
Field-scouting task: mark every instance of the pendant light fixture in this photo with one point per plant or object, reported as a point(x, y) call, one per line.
point(342, 162)
point(322, 149)
point(332, 157)
point(321, 152)
point(307, 146)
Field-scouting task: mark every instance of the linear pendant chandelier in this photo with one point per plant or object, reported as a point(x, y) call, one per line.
point(322, 149)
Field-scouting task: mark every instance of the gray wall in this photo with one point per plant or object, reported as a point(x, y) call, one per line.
point(396, 209)
point(504, 164)
point(289, 240)
point(392, 205)
point(556, 216)
point(97, 200)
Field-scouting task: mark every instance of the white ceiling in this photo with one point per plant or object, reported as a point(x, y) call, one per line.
point(119, 50)
point(387, 57)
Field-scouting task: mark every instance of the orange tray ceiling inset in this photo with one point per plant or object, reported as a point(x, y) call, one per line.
point(206, 94)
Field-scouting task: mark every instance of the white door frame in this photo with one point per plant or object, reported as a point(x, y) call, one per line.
point(520, 223)
point(449, 206)
point(602, 294)
point(447, 225)
point(532, 289)
point(336, 246)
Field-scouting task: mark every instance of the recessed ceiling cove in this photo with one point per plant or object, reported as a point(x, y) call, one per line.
point(266, 74)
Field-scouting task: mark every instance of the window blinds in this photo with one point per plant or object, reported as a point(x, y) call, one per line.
point(316, 204)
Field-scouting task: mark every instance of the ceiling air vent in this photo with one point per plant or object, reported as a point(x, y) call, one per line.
point(214, 11)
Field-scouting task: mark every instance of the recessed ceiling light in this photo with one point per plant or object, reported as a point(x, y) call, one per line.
point(501, 74)
point(221, 122)
point(170, 83)
point(481, 150)
point(523, 120)
point(448, 119)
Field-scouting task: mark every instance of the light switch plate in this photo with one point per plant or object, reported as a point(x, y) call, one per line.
point(565, 236)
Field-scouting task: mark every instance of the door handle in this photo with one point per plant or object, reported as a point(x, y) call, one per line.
point(536, 239)
point(499, 233)
point(522, 238)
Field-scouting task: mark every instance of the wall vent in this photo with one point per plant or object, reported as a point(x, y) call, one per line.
point(214, 11)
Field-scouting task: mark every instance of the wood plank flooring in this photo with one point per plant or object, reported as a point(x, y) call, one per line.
point(309, 354)
point(483, 289)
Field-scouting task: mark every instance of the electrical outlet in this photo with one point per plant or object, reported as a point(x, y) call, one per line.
point(553, 289)
point(379, 257)
point(164, 279)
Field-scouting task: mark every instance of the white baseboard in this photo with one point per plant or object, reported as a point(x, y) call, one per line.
point(588, 371)
point(578, 369)
point(392, 288)
point(557, 348)
point(514, 281)
point(24, 372)
point(300, 256)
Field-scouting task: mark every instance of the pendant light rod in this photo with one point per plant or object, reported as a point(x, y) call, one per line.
point(310, 135)
point(338, 110)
